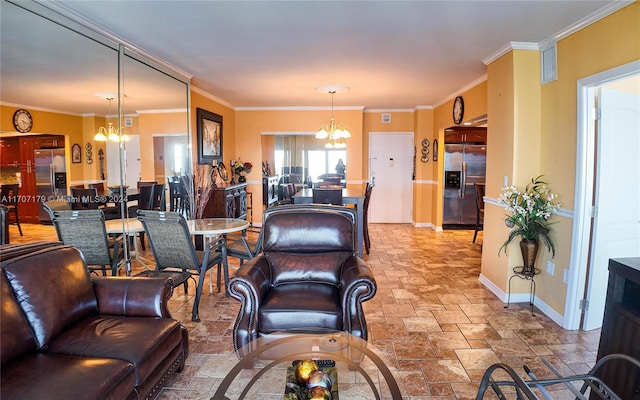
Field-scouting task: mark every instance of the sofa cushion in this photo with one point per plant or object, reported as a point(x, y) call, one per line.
point(301, 306)
point(43, 376)
point(53, 288)
point(14, 329)
point(145, 342)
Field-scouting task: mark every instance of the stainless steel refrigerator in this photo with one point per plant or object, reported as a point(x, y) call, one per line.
point(464, 165)
point(51, 177)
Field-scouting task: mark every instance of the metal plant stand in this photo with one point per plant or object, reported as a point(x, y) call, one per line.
point(521, 273)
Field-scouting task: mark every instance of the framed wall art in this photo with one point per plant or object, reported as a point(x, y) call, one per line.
point(209, 127)
point(76, 154)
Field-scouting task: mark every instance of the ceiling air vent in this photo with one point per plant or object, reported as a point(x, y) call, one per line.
point(549, 65)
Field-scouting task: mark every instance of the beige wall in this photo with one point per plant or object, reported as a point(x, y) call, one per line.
point(532, 131)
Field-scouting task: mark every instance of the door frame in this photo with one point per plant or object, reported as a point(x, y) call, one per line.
point(371, 178)
point(584, 188)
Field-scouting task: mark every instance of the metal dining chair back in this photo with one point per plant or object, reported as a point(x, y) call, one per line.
point(240, 247)
point(85, 230)
point(174, 251)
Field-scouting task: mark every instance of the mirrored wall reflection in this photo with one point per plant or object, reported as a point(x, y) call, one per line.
point(301, 157)
point(67, 77)
point(155, 120)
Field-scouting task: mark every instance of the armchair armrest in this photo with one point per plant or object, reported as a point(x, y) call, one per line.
point(357, 285)
point(249, 285)
point(133, 297)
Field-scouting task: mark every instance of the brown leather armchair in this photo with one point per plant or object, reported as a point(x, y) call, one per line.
point(308, 277)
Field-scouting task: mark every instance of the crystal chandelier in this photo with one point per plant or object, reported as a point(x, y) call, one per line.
point(334, 133)
point(110, 133)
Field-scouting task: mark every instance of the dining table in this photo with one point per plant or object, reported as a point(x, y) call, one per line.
point(349, 196)
point(205, 227)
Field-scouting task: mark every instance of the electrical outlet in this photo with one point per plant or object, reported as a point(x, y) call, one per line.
point(550, 267)
point(565, 275)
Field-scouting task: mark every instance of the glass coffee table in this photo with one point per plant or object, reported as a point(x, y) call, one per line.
point(264, 367)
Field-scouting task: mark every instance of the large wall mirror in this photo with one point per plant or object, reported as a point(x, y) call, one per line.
point(300, 158)
point(73, 81)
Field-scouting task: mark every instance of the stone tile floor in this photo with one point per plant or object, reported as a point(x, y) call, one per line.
point(434, 324)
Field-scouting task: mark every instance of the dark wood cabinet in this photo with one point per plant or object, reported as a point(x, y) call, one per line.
point(50, 141)
point(466, 135)
point(621, 327)
point(227, 202)
point(9, 152)
point(28, 207)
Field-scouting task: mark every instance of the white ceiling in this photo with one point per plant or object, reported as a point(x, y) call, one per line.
point(392, 54)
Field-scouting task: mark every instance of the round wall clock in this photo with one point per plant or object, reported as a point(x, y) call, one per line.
point(22, 120)
point(458, 110)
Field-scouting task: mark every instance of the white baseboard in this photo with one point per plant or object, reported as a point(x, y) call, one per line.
point(522, 298)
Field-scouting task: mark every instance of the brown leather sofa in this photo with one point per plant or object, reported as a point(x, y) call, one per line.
point(308, 277)
point(64, 335)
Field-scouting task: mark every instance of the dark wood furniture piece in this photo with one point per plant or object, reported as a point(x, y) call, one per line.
point(26, 164)
point(621, 327)
point(269, 190)
point(229, 201)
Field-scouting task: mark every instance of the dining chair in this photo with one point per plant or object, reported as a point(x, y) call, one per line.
point(84, 199)
point(140, 184)
point(175, 253)
point(177, 195)
point(85, 230)
point(365, 216)
point(330, 180)
point(145, 202)
point(158, 197)
point(240, 247)
point(9, 195)
point(57, 204)
point(327, 196)
point(479, 192)
point(110, 211)
point(4, 226)
point(99, 186)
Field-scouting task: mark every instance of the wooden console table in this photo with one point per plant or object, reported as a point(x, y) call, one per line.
point(621, 327)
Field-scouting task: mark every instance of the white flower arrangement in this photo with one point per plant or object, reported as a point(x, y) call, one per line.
point(529, 211)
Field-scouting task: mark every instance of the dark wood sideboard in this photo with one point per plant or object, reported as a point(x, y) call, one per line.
point(621, 327)
point(229, 201)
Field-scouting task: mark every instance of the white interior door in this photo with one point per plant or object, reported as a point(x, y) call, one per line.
point(616, 229)
point(390, 167)
point(131, 159)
